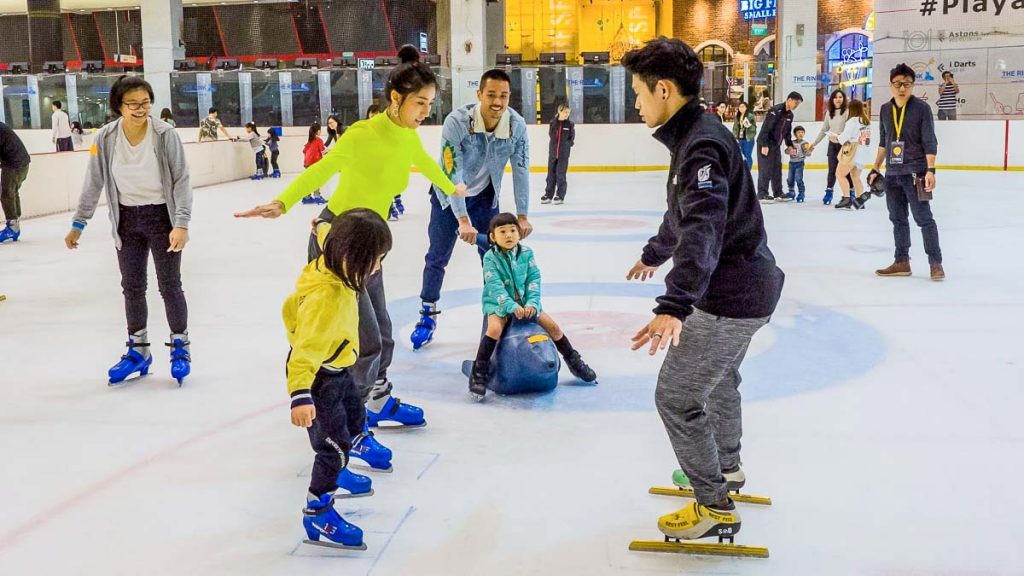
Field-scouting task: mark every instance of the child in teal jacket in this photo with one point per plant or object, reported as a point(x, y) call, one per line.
point(512, 288)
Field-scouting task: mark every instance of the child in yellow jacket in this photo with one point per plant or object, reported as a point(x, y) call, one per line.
point(322, 321)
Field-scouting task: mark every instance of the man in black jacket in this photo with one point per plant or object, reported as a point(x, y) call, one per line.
point(723, 285)
point(775, 129)
point(562, 136)
point(14, 161)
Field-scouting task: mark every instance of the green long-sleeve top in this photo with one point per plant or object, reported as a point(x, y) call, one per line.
point(373, 157)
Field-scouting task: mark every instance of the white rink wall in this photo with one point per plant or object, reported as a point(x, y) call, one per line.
point(55, 180)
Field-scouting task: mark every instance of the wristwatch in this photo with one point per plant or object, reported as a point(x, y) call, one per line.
point(932, 170)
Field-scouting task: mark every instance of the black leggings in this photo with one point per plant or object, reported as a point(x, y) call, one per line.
point(340, 415)
point(144, 230)
point(833, 162)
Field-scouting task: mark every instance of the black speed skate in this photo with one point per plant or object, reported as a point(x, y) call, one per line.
point(579, 368)
point(478, 379)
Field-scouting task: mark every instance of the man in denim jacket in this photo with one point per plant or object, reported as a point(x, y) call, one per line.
point(478, 140)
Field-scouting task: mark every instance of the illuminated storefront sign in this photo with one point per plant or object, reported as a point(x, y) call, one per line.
point(756, 9)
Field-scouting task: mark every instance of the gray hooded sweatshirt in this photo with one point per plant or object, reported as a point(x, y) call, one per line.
point(173, 175)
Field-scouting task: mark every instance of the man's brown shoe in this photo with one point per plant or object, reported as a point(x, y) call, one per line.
point(938, 274)
point(895, 269)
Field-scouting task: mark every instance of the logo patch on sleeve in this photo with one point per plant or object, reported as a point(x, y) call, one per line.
point(448, 159)
point(704, 178)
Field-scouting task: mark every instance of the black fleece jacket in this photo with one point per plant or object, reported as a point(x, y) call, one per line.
point(713, 230)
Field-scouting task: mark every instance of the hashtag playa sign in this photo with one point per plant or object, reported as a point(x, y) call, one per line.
point(981, 42)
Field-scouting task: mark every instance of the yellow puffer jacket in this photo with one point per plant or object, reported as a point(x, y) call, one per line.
point(322, 319)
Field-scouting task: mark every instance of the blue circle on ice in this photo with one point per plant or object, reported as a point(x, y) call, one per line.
point(790, 356)
point(607, 225)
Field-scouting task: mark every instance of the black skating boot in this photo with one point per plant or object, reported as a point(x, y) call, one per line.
point(478, 379)
point(844, 203)
point(579, 368)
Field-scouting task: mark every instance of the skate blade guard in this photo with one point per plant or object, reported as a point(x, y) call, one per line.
point(669, 545)
point(688, 493)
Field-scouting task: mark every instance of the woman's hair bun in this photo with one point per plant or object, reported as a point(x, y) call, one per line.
point(409, 54)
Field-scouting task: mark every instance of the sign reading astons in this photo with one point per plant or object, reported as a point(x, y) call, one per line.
point(757, 9)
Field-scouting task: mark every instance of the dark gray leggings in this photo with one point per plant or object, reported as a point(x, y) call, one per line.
point(144, 230)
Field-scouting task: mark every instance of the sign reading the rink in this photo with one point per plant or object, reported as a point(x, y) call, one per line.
point(757, 9)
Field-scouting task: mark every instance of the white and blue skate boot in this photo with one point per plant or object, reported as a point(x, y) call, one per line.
point(10, 233)
point(393, 212)
point(365, 447)
point(399, 206)
point(276, 174)
point(309, 199)
point(321, 519)
point(256, 176)
point(423, 333)
point(393, 410)
point(181, 360)
point(137, 359)
point(352, 485)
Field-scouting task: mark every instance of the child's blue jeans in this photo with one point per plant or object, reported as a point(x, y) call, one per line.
point(796, 174)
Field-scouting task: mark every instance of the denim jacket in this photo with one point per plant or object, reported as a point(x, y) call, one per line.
point(464, 149)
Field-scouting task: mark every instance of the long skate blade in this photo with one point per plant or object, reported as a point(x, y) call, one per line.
point(127, 381)
point(688, 493)
point(395, 427)
point(346, 495)
point(368, 468)
point(334, 545)
point(700, 548)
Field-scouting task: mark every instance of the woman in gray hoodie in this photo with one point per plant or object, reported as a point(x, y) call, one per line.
point(140, 163)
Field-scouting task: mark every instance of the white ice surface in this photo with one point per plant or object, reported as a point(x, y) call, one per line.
point(883, 416)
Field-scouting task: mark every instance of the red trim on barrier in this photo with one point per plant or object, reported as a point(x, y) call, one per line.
point(220, 32)
point(323, 24)
point(1006, 148)
point(74, 37)
point(99, 33)
point(287, 57)
point(295, 29)
point(387, 22)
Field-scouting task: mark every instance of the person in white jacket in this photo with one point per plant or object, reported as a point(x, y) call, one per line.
point(856, 152)
point(834, 123)
point(61, 128)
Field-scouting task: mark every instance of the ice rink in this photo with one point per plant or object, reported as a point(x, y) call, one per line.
point(883, 416)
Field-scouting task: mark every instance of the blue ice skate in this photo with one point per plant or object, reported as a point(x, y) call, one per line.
point(423, 333)
point(366, 448)
point(311, 199)
point(827, 199)
point(133, 361)
point(352, 485)
point(321, 519)
point(800, 198)
point(394, 410)
point(393, 212)
point(181, 360)
point(256, 176)
point(276, 174)
point(399, 205)
point(9, 234)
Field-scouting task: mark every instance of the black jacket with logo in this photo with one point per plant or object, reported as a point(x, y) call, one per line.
point(13, 154)
point(777, 126)
point(562, 135)
point(713, 230)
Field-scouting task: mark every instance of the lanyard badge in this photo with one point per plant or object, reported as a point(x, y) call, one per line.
point(897, 147)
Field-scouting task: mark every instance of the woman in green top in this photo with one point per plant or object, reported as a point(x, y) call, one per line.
point(744, 127)
point(373, 158)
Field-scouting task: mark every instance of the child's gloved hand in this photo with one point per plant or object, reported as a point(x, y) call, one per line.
point(303, 416)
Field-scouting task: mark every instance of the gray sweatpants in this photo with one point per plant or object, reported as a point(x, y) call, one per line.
point(698, 398)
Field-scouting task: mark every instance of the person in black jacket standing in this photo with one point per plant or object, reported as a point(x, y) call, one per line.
point(14, 161)
point(722, 288)
point(562, 134)
point(775, 129)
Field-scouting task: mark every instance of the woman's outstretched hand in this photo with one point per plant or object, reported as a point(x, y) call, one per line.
point(272, 210)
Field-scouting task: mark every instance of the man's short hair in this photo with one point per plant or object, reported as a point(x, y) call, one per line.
point(666, 59)
point(947, 73)
point(902, 69)
point(57, 104)
point(795, 96)
point(213, 111)
point(495, 74)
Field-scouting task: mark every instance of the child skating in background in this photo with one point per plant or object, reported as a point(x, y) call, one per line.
point(252, 135)
point(273, 145)
point(562, 136)
point(311, 154)
point(797, 157)
point(512, 288)
point(322, 320)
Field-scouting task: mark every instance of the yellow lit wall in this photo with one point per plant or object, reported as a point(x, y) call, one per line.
point(574, 26)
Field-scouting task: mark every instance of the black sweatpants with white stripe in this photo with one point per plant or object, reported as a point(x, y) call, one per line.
point(340, 415)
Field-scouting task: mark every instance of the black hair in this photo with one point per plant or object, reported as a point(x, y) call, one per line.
point(166, 113)
point(212, 111)
point(124, 85)
point(742, 103)
point(945, 73)
point(799, 129)
point(666, 59)
point(831, 103)
point(503, 219)
point(358, 237)
point(76, 126)
point(253, 126)
point(331, 131)
point(495, 74)
point(272, 135)
point(313, 129)
point(374, 108)
point(902, 69)
point(410, 76)
point(57, 104)
point(795, 96)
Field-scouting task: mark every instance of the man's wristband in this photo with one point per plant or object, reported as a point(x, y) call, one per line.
point(932, 170)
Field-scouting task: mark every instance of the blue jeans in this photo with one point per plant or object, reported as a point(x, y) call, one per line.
point(796, 174)
point(747, 147)
point(442, 232)
point(901, 198)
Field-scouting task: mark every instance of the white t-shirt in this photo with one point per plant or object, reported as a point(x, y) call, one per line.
point(61, 124)
point(136, 170)
point(859, 134)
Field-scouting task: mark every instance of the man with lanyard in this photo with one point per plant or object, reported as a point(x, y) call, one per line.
point(478, 140)
point(908, 146)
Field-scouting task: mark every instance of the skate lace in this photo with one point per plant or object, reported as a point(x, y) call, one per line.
point(132, 345)
point(178, 351)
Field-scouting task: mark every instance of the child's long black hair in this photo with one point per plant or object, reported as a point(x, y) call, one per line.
point(332, 134)
point(272, 135)
point(313, 129)
point(832, 104)
point(253, 126)
point(358, 237)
